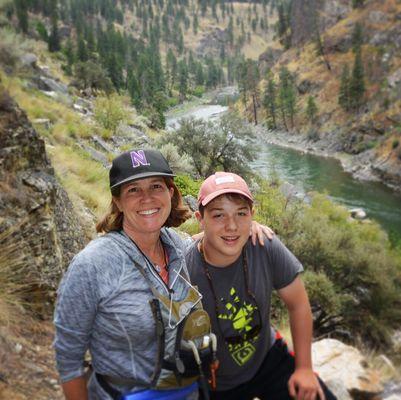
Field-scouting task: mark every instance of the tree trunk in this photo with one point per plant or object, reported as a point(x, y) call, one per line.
point(255, 114)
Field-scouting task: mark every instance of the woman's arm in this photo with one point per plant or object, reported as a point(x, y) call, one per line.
point(75, 389)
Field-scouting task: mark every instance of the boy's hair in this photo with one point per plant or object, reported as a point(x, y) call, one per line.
point(235, 197)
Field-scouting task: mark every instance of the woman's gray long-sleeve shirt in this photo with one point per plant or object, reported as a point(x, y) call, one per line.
point(103, 306)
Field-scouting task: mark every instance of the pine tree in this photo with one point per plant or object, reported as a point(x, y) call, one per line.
point(171, 69)
point(182, 80)
point(82, 51)
point(357, 83)
point(311, 110)
point(195, 24)
point(54, 39)
point(134, 88)
point(287, 97)
point(357, 3)
point(69, 54)
point(269, 102)
point(230, 31)
point(22, 14)
point(200, 76)
point(357, 37)
point(253, 84)
point(343, 95)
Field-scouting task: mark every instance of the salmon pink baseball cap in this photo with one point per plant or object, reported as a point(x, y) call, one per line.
point(221, 183)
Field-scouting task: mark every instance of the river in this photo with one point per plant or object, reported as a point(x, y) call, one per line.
point(314, 173)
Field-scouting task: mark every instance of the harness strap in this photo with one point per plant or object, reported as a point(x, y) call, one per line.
point(102, 380)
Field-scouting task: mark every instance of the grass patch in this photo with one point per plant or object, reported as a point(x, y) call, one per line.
point(190, 226)
point(82, 176)
point(15, 280)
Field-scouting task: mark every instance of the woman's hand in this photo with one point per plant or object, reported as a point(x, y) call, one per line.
point(260, 232)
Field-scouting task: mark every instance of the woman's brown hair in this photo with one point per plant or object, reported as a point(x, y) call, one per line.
point(113, 219)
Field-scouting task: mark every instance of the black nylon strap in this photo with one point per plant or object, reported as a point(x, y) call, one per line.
point(115, 394)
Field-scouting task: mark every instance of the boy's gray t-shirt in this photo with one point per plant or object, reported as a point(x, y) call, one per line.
point(270, 267)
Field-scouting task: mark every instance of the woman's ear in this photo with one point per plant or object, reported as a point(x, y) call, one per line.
point(199, 217)
point(116, 201)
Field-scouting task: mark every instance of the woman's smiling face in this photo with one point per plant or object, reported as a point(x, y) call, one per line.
point(146, 205)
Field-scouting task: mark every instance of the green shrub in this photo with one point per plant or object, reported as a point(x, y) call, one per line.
point(110, 112)
point(198, 91)
point(395, 143)
point(353, 274)
point(171, 102)
point(190, 226)
point(187, 185)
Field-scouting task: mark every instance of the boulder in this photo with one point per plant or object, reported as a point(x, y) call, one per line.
point(394, 79)
point(269, 58)
point(340, 44)
point(377, 17)
point(50, 85)
point(357, 213)
point(35, 212)
point(337, 362)
point(191, 202)
point(302, 17)
point(212, 42)
point(29, 60)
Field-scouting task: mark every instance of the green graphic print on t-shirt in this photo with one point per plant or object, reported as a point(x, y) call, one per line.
point(241, 314)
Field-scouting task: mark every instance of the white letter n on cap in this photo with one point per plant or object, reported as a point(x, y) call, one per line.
point(138, 158)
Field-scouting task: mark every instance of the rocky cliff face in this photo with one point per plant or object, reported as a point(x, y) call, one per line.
point(308, 15)
point(34, 208)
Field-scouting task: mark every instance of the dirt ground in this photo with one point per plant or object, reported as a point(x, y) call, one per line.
point(27, 365)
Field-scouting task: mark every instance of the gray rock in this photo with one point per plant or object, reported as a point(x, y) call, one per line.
point(95, 154)
point(102, 144)
point(334, 360)
point(392, 391)
point(211, 43)
point(302, 17)
point(377, 17)
point(29, 60)
point(379, 39)
point(338, 388)
point(396, 340)
point(394, 79)
point(340, 44)
point(268, 58)
point(42, 121)
point(191, 202)
point(33, 206)
point(357, 213)
point(50, 85)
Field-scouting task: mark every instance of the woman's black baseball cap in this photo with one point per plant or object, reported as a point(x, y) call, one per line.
point(137, 164)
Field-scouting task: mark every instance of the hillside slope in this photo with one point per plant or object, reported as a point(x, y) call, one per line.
point(372, 131)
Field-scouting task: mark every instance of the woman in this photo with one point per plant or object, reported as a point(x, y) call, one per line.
point(126, 297)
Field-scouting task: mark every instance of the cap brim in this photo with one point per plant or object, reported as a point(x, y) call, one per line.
point(213, 195)
point(141, 176)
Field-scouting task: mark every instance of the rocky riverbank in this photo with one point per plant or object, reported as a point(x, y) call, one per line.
point(363, 166)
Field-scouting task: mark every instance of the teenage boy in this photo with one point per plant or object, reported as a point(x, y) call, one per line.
point(237, 280)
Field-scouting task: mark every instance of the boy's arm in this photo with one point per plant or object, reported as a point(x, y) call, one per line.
point(303, 384)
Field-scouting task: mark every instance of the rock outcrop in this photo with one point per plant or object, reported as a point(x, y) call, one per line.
point(345, 370)
point(309, 15)
point(35, 211)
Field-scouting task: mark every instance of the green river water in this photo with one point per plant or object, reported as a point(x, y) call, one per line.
point(313, 173)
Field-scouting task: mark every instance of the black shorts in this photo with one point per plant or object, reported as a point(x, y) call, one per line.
point(271, 380)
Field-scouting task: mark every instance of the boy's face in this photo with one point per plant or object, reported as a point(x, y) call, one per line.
point(226, 223)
